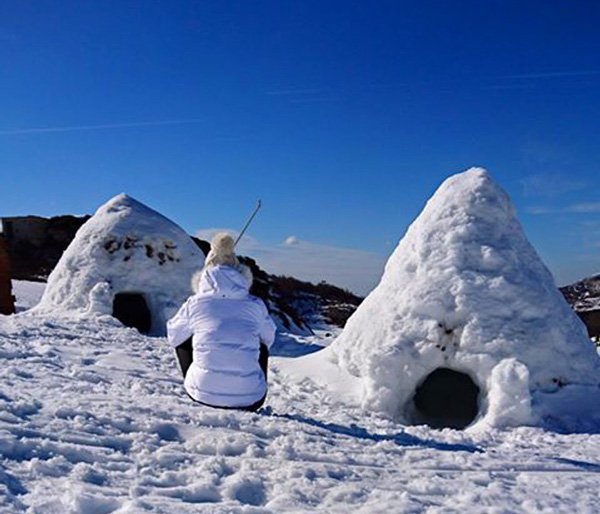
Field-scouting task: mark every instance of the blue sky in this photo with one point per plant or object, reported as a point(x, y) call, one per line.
point(342, 116)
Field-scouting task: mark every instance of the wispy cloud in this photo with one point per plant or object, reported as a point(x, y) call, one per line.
point(578, 208)
point(313, 100)
point(550, 185)
point(306, 96)
point(584, 208)
point(291, 241)
point(505, 81)
point(106, 126)
point(526, 81)
point(357, 270)
point(551, 74)
point(513, 86)
point(292, 92)
point(539, 210)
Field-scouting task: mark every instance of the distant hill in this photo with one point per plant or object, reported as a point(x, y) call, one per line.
point(335, 305)
point(583, 295)
point(35, 244)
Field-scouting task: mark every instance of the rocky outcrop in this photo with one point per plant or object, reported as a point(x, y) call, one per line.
point(335, 305)
point(7, 300)
point(584, 297)
point(591, 319)
point(35, 244)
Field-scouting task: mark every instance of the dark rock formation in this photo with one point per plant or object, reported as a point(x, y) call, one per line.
point(334, 304)
point(591, 319)
point(203, 245)
point(7, 300)
point(584, 297)
point(36, 244)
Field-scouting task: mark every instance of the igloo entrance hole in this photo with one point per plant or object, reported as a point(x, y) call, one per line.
point(446, 399)
point(132, 310)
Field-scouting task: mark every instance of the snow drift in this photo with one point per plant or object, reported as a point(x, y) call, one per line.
point(126, 257)
point(465, 307)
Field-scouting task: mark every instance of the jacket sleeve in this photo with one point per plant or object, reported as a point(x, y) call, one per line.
point(179, 327)
point(267, 326)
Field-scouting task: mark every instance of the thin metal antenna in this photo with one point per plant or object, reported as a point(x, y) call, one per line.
point(247, 224)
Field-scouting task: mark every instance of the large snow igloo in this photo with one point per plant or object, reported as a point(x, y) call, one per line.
point(466, 324)
point(127, 261)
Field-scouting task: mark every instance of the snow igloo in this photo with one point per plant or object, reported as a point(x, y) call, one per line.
point(127, 261)
point(466, 324)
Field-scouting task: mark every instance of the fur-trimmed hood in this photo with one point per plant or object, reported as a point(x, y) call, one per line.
point(223, 280)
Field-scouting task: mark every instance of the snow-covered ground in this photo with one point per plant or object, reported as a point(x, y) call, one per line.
point(27, 293)
point(94, 420)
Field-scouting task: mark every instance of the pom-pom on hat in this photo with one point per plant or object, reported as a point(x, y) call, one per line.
point(222, 251)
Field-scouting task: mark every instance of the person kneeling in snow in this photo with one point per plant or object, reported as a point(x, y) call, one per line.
point(222, 334)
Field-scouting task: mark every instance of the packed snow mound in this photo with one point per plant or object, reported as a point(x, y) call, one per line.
point(465, 292)
point(124, 255)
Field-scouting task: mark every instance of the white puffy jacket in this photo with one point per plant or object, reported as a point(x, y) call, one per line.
point(228, 325)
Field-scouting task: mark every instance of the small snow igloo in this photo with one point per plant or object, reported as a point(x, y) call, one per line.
point(466, 325)
point(127, 261)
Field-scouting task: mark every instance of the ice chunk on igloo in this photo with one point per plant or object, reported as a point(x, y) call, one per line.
point(466, 323)
point(128, 261)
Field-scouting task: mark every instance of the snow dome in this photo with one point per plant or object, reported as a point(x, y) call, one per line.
point(466, 324)
point(127, 261)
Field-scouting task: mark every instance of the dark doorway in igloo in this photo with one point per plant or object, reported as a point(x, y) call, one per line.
point(446, 399)
point(132, 310)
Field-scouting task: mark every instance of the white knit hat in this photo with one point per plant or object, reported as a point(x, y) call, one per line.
point(222, 251)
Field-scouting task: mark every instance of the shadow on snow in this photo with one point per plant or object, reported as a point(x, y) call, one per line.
point(288, 346)
point(401, 439)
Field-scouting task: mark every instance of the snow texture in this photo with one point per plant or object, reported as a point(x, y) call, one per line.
point(27, 293)
point(125, 247)
point(465, 290)
point(94, 420)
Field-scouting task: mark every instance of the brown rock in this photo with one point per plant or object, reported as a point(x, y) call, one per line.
point(7, 301)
